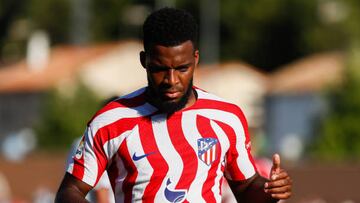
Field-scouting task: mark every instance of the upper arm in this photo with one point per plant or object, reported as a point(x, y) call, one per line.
point(70, 181)
point(89, 160)
point(86, 164)
point(72, 189)
point(240, 165)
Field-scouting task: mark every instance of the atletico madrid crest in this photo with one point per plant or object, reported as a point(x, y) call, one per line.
point(207, 150)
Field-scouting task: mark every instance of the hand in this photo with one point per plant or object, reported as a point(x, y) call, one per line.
point(280, 183)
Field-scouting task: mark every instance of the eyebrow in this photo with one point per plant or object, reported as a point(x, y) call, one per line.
point(183, 65)
point(154, 65)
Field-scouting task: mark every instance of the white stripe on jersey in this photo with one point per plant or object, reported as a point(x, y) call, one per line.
point(225, 144)
point(191, 133)
point(90, 160)
point(70, 167)
point(206, 95)
point(143, 166)
point(119, 181)
point(168, 152)
point(113, 146)
point(243, 161)
point(116, 114)
point(106, 118)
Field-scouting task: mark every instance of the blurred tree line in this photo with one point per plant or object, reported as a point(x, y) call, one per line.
point(264, 33)
point(64, 116)
point(339, 133)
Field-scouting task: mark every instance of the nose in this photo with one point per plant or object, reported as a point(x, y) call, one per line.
point(171, 77)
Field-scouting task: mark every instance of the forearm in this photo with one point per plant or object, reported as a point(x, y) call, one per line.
point(65, 195)
point(252, 192)
point(102, 195)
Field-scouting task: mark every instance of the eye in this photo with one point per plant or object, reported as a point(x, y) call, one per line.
point(182, 68)
point(156, 69)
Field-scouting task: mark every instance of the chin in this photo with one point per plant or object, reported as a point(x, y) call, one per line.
point(171, 107)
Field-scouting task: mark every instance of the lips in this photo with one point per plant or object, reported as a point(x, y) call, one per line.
point(172, 95)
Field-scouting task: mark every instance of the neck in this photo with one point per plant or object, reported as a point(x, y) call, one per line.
point(192, 98)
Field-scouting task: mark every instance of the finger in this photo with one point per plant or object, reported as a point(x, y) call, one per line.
point(278, 183)
point(276, 163)
point(278, 190)
point(281, 175)
point(286, 195)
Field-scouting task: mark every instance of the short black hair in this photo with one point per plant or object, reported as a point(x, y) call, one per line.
point(169, 27)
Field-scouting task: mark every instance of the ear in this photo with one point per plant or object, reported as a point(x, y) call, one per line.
point(143, 59)
point(197, 57)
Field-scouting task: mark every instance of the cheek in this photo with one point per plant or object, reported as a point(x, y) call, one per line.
point(186, 79)
point(155, 79)
point(185, 84)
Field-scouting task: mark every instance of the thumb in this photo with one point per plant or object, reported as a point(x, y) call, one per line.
point(276, 163)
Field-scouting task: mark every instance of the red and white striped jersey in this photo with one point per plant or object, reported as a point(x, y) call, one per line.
point(154, 157)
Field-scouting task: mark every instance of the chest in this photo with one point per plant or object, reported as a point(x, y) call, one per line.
point(174, 147)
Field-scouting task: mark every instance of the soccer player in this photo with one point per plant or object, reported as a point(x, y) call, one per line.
point(170, 141)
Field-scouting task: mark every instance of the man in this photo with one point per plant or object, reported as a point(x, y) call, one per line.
point(170, 141)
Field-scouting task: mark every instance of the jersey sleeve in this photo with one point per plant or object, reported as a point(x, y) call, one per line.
point(89, 160)
point(240, 164)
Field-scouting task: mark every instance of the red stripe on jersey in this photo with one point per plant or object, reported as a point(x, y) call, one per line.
point(132, 172)
point(220, 184)
point(232, 154)
point(113, 172)
point(206, 131)
point(78, 169)
point(114, 129)
point(100, 156)
point(104, 135)
point(219, 105)
point(156, 160)
point(247, 137)
point(205, 103)
point(185, 150)
point(221, 181)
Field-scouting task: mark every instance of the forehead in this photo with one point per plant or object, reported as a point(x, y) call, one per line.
point(171, 54)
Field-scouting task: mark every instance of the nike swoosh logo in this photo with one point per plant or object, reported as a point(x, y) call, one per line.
point(137, 158)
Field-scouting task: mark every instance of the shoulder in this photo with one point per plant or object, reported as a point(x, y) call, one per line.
point(208, 101)
point(212, 101)
point(132, 105)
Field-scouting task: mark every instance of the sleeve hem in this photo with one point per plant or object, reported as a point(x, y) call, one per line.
point(84, 179)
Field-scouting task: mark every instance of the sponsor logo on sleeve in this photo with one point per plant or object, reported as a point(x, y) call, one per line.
point(80, 149)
